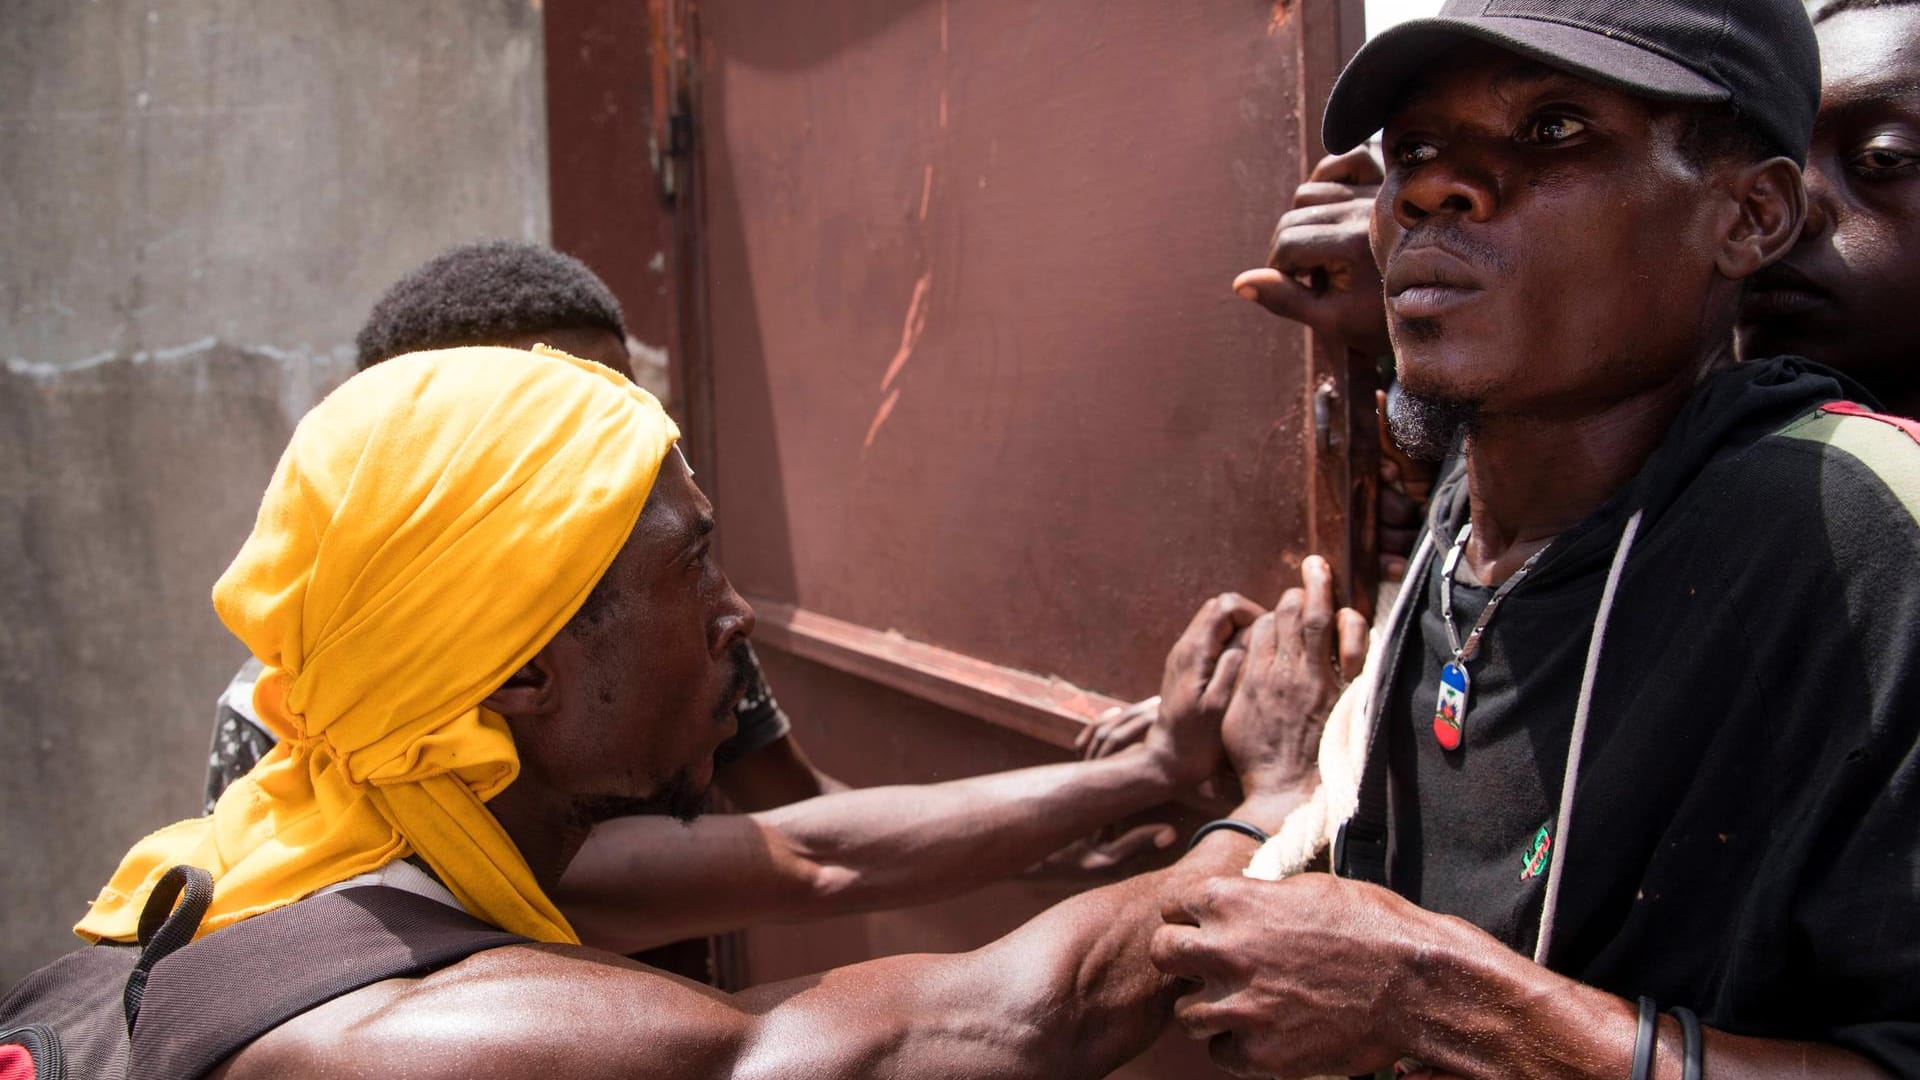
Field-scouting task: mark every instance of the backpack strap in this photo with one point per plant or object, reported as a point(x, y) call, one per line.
point(164, 927)
point(206, 1001)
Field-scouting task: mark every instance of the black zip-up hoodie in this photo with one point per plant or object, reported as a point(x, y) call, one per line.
point(1691, 766)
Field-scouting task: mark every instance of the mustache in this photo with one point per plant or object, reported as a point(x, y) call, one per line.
point(740, 658)
point(1455, 239)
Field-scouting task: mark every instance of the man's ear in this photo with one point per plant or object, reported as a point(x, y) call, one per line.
point(532, 691)
point(1769, 207)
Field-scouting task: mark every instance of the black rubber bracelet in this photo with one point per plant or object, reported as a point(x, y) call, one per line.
point(1643, 1040)
point(1227, 824)
point(1695, 1051)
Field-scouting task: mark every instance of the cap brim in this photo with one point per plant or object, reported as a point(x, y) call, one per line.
point(1373, 80)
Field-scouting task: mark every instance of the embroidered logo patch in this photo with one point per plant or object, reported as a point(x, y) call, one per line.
point(1536, 859)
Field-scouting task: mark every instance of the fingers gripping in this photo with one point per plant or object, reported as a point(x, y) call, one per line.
point(1316, 613)
point(1176, 949)
point(1353, 643)
point(1207, 635)
point(1226, 676)
point(1117, 728)
point(1356, 166)
point(1277, 292)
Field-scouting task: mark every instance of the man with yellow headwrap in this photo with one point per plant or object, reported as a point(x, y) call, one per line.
point(641, 881)
point(482, 588)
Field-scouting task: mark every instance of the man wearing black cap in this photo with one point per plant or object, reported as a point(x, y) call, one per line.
point(1649, 710)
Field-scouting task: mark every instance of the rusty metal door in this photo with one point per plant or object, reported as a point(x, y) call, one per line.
point(947, 286)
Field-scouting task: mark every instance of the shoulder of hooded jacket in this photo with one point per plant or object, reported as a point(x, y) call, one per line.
point(1882, 451)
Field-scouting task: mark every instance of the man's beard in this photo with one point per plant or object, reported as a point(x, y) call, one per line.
point(1427, 426)
point(678, 797)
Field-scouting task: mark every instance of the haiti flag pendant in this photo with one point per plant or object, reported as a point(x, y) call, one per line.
point(1450, 711)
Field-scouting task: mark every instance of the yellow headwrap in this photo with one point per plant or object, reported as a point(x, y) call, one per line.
point(433, 523)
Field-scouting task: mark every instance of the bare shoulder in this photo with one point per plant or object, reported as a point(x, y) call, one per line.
point(535, 1011)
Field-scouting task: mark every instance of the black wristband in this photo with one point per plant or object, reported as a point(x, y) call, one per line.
point(1644, 1038)
point(1227, 824)
point(1695, 1051)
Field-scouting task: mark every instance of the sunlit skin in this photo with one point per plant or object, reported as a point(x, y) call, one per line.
point(1848, 294)
point(780, 772)
point(594, 734)
point(615, 709)
point(1845, 295)
point(1548, 253)
point(643, 879)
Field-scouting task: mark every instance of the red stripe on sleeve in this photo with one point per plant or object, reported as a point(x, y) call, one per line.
point(1854, 408)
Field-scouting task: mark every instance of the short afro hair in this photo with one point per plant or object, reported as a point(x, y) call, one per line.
point(1716, 133)
point(1827, 9)
point(485, 294)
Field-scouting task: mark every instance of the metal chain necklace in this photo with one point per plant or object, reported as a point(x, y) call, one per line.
point(1450, 709)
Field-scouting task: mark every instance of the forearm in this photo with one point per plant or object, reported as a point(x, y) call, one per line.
point(644, 881)
point(1071, 993)
point(1513, 1018)
point(887, 847)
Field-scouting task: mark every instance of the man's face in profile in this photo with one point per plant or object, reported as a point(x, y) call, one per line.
point(649, 681)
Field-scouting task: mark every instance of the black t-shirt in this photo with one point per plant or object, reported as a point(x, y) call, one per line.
point(1744, 836)
point(1467, 821)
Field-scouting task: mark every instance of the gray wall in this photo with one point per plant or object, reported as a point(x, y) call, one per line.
point(199, 200)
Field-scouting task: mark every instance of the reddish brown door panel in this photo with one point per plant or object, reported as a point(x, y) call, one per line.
point(619, 142)
point(961, 367)
point(977, 374)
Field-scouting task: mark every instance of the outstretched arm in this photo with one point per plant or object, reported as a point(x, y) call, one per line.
point(1070, 994)
point(642, 881)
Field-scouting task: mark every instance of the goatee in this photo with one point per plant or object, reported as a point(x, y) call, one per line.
point(1428, 427)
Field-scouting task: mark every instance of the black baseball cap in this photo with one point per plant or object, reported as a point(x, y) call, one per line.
point(1758, 56)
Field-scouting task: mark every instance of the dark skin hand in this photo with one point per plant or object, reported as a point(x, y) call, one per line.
point(1520, 210)
point(1317, 975)
point(631, 709)
point(1299, 657)
point(1319, 269)
point(1846, 293)
point(1320, 272)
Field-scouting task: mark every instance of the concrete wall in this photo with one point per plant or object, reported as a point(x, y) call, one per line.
point(199, 200)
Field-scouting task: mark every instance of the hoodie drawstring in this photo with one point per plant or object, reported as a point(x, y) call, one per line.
point(1569, 783)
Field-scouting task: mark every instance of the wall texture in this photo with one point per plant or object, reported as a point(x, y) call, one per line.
point(199, 201)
